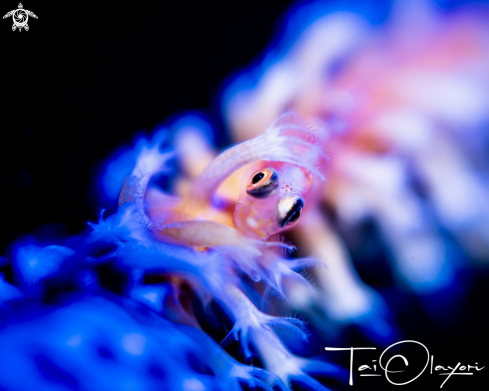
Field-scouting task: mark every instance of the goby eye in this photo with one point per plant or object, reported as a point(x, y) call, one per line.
point(263, 183)
point(289, 210)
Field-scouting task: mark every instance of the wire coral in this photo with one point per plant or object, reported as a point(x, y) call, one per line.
point(171, 257)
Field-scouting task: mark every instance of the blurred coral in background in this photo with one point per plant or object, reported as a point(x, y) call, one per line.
point(402, 109)
point(394, 244)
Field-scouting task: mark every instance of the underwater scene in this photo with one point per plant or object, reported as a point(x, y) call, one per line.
point(323, 226)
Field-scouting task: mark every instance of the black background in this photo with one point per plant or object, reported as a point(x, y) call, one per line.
point(85, 78)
